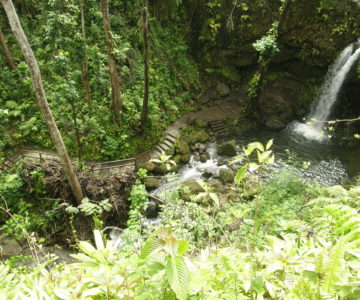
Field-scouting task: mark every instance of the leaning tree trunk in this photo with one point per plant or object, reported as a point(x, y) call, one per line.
point(41, 98)
point(5, 49)
point(85, 64)
point(114, 77)
point(144, 113)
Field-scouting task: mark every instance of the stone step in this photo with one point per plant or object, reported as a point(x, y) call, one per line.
point(223, 132)
point(218, 127)
point(172, 135)
point(170, 138)
point(168, 143)
point(163, 147)
point(216, 122)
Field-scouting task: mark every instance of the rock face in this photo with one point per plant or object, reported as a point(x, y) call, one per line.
point(193, 186)
point(227, 149)
point(223, 89)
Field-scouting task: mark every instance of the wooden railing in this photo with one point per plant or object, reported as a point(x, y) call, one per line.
point(101, 168)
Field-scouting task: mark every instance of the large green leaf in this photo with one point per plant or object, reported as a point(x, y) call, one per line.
point(178, 275)
point(241, 173)
point(151, 245)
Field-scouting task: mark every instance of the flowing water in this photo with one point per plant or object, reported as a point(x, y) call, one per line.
point(329, 92)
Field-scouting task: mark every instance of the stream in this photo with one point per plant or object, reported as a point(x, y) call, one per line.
point(320, 162)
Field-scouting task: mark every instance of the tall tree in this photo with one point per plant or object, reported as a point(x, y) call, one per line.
point(7, 53)
point(41, 98)
point(85, 65)
point(114, 77)
point(144, 113)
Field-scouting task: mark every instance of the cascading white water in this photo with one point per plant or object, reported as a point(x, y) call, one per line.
point(329, 92)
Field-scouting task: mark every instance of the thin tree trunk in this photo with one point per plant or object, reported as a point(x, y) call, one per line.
point(114, 77)
point(144, 113)
point(85, 65)
point(5, 49)
point(41, 98)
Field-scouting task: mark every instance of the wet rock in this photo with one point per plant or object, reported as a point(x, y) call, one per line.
point(202, 148)
point(226, 175)
point(227, 149)
point(207, 155)
point(197, 157)
point(9, 247)
point(207, 174)
point(151, 210)
point(275, 110)
point(151, 183)
point(223, 89)
point(185, 158)
point(147, 165)
point(275, 124)
point(203, 158)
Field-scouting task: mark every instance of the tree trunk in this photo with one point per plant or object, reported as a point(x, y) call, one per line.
point(144, 113)
point(5, 49)
point(85, 64)
point(114, 77)
point(41, 98)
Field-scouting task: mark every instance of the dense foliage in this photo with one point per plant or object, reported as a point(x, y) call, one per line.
point(89, 131)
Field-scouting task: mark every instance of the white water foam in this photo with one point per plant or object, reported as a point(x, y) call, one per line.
point(329, 93)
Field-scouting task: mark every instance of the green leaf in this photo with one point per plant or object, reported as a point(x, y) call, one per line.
point(215, 198)
point(177, 275)
point(151, 245)
point(183, 246)
point(269, 144)
point(98, 240)
point(241, 173)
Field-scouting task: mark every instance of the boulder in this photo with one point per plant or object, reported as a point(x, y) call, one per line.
point(227, 149)
point(207, 174)
point(151, 210)
point(200, 123)
point(226, 175)
point(203, 158)
point(182, 147)
point(9, 247)
point(147, 165)
point(151, 183)
point(193, 186)
point(223, 89)
point(275, 124)
point(201, 136)
point(185, 158)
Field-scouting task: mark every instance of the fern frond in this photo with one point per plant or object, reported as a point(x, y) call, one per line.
point(334, 268)
point(321, 201)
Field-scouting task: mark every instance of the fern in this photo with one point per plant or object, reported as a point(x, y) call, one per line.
point(334, 268)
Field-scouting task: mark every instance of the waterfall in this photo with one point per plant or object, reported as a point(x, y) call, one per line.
point(329, 92)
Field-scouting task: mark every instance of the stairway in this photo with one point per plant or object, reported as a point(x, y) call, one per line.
point(167, 143)
point(219, 128)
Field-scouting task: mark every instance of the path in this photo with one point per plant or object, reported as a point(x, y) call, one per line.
point(213, 115)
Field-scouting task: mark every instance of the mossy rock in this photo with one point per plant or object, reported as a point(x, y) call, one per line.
point(151, 183)
point(200, 123)
point(147, 165)
point(182, 147)
point(201, 136)
point(185, 158)
point(227, 149)
point(226, 175)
